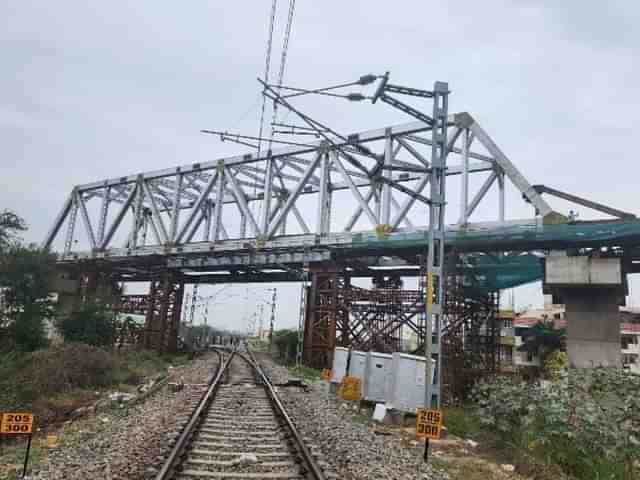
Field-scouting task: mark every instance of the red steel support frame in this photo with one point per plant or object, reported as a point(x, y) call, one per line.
point(381, 319)
point(339, 314)
point(162, 322)
point(470, 338)
point(322, 316)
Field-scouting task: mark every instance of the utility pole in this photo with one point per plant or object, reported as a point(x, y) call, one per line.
point(192, 312)
point(205, 330)
point(261, 322)
point(273, 317)
point(194, 297)
point(435, 281)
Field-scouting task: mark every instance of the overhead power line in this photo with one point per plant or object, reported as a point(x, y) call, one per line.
point(267, 65)
point(283, 62)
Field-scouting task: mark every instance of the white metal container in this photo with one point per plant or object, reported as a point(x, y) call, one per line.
point(407, 389)
point(339, 369)
point(377, 377)
point(357, 364)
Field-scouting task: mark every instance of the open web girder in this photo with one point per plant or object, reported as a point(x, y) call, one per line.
point(255, 200)
point(315, 203)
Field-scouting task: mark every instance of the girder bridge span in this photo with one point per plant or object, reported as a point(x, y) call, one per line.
point(315, 213)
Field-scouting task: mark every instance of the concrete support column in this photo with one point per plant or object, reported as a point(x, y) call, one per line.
point(67, 285)
point(592, 289)
point(593, 327)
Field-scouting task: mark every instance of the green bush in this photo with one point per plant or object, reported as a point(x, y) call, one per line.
point(54, 382)
point(555, 365)
point(588, 421)
point(286, 343)
point(93, 324)
point(70, 368)
point(28, 377)
point(27, 331)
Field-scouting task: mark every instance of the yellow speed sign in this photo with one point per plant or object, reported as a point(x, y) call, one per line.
point(351, 388)
point(428, 423)
point(16, 423)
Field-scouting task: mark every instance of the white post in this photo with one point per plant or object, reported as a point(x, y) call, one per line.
point(322, 199)
point(386, 188)
point(464, 191)
point(501, 197)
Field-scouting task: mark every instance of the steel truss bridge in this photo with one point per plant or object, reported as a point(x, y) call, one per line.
point(252, 218)
point(322, 213)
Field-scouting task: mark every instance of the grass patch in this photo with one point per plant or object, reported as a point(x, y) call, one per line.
point(12, 451)
point(306, 373)
point(257, 345)
point(360, 418)
point(466, 467)
point(54, 382)
point(461, 423)
point(69, 435)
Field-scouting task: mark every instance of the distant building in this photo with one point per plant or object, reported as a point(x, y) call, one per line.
point(514, 325)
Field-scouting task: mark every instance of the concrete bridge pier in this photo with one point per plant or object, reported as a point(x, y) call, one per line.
point(592, 290)
point(593, 329)
point(76, 288)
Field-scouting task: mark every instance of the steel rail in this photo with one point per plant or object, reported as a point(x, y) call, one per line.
point(175, 458)
point(179, 449)
point(307, 457)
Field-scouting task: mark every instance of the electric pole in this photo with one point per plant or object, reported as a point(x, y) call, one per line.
point(261, 324)
point(194, 298)
point(206, 327)
point(273, 317)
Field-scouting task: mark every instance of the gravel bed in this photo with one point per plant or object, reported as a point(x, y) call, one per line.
point(352, 449)
point(127, 443)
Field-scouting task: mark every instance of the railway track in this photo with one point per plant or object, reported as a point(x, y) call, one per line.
point(240, 430)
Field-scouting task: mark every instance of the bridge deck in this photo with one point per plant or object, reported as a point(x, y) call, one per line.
point(282, 259)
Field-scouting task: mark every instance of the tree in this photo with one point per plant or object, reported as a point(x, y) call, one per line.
point(10, 225)
point(28, 330)
point(93, 324)
point(543, 339)
point(24, 275)
point(286, 343)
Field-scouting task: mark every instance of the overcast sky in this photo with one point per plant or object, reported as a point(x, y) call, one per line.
point(90, 91)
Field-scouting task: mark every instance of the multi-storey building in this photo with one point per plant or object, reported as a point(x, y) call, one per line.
point(514, 325)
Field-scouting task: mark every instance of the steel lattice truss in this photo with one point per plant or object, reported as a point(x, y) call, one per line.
point(470, 338)
point(379, 319)
point(256, 200)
